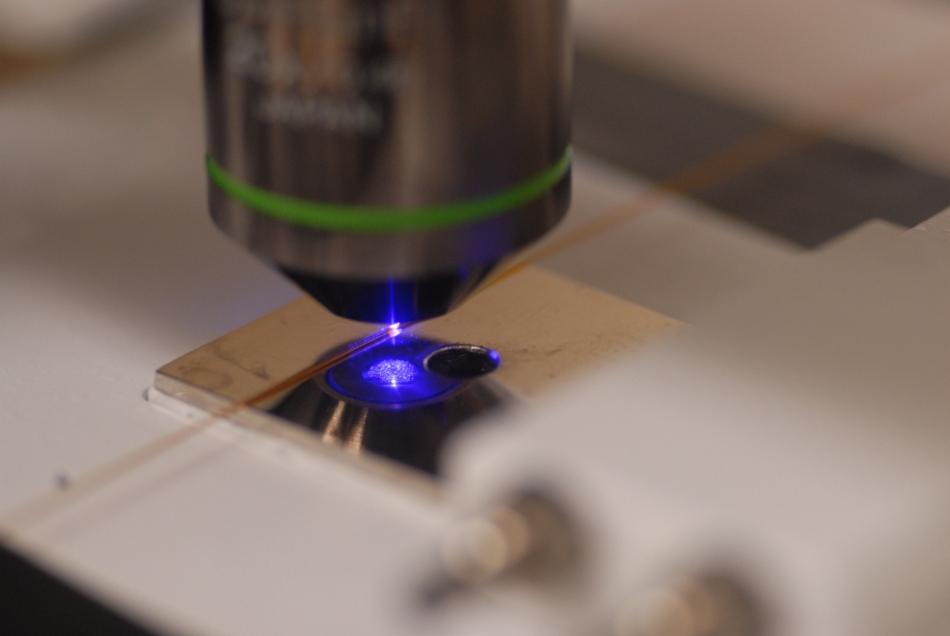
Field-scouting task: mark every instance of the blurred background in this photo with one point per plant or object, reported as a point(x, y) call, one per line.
point(780, 125)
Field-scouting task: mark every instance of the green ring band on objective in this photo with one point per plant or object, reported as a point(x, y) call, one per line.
point(358, 218)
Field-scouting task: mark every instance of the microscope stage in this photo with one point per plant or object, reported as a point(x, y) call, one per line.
point(397, 400)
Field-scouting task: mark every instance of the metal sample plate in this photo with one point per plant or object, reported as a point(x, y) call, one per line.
point(395, 403)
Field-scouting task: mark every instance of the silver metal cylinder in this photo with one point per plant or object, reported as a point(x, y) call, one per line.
point(400, 147)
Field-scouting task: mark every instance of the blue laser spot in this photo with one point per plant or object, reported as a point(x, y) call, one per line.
point(392, 372)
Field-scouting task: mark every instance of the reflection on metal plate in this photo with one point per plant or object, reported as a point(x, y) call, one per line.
point(385, 400)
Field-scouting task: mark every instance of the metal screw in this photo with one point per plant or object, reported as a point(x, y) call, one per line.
point(528, 537)
point(710, 604)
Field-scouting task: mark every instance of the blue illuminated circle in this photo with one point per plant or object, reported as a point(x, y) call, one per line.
point(391, 374)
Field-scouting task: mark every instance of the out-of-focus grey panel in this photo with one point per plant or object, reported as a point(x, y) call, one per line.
point(656, 128)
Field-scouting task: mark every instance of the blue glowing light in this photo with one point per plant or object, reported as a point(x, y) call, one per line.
point(392, 372)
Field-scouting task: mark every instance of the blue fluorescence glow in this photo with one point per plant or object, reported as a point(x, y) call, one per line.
point(392, 372)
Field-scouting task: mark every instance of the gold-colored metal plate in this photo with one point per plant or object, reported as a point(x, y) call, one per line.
point(546, 328)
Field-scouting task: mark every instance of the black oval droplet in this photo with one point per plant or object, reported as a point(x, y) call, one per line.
point(462, 361)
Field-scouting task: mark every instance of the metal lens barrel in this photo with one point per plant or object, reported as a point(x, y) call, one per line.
point(387, 154)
